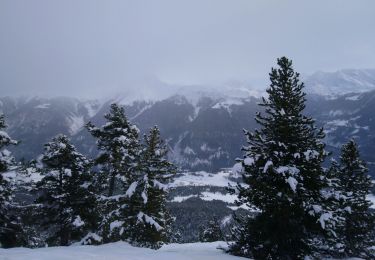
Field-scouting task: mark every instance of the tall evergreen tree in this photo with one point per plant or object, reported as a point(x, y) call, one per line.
point(118, 143)
point(286, 182)
point(335, 245)
point(152, 226)
point(118, 160)
point(68, 204)
point(8, 223)
point(29, 174)
point(359, 219)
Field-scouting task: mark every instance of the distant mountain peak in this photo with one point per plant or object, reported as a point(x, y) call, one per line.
point(341, 82)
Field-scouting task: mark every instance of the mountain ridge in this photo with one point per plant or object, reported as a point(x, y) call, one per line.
point(202, 127)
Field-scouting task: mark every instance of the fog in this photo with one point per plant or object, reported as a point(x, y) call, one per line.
point(93, 48)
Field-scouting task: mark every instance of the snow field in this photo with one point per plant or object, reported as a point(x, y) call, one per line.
point(122, 251)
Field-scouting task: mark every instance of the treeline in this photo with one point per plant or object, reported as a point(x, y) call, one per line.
point(121, 195)
point(305, 211)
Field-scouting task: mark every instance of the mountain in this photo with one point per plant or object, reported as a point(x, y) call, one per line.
point(202, 125)
point(203, 129)
point(333, 84)
point(35, 120)
point(345, 117)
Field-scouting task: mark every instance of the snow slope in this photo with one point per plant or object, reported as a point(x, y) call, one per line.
point(123, 251)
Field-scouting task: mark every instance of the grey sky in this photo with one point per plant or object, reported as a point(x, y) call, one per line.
point(87, 48)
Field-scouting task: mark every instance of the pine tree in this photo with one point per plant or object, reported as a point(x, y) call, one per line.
point(286, 182)
point(9, 225)
point(152, 226)
point(359, 219)
point(118, 142)
point(68, 204)
point(118, 160)
point(211, 232)
point(29, 175)
point(335, 200)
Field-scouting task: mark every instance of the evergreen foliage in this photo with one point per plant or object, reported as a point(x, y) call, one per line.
point(335, 200)
point(152, 227)
point(135, 210)
point(118, 160)
point(286, 182)
point(33, 234)
point(211, 232)
point(9, 223)
point(358, 235)
point(118, 143)
point(67, 201)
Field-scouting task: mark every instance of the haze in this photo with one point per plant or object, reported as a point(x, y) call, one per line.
point(92, 48)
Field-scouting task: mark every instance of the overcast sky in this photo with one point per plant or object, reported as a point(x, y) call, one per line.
point(87, 48)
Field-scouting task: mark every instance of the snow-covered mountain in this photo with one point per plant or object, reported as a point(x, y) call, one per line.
point(203, 128)
point(185, 119)
point(341, 82)
point(202, 125)
point(35, 120)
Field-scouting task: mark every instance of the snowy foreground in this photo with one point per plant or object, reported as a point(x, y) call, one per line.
point(123, 251)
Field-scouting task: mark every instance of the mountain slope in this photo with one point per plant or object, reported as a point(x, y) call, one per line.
point(35, 120)
point(202, 126)
point(341, 82)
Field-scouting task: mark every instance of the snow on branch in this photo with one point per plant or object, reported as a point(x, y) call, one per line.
point(145, 218)
point(131, 189)
point(267, 165)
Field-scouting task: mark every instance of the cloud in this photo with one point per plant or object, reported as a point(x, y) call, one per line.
point(90, 48)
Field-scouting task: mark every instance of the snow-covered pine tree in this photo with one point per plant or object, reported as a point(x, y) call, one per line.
point(335, 200)
point(118, 160)
point(118, 143)
point(68, 203)
point(9, 226)
point(29, 174)
point(152, 226)
point(360, 220)
point(286, 182)
point(211, 232)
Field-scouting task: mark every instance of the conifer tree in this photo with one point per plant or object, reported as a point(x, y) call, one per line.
point(335, 200)
point(152, 227)
point(68, 204)
point(29, 176)
point(118, 143)
point(9, 226)
point(211, 232)
point(359, 219)
point(286, 182)
point(118, 160)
